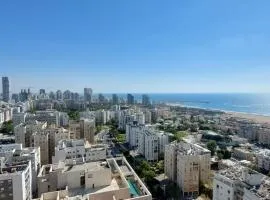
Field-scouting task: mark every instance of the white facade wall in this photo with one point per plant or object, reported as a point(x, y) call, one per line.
point(17, 184)
point(223, 188)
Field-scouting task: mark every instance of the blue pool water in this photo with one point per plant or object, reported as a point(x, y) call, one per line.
point(133, 189)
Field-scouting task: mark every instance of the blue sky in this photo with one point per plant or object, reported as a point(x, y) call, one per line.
point(136, 45)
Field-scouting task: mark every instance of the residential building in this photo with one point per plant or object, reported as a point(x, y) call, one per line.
point(110, 179)
point(239, 182)
point(88, 94)
point(188, 165)
point(41, 139)
point(243, 153)
point(16, 153)
point(148, 145)
point(78, 151)
point(147, 115)
point(101, 117)
point(130, 99)
point(5, 89)
point(74, 129)
point(24, 131)
point(67, 95)
point(133, 130)
point(59, 95)
point(87, 129)
point(263, 160)
point(18, 118)
point(15, 181)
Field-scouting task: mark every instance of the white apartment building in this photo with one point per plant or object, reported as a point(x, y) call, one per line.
point(149, 145)
point(24, 131)
point(78, 151)
point(239, 182)
point(187, 164)
point(133, 130)
point(110, 179)
point(6, 113)
point(52, 117)
point(15, 181)
point(102, 117)
point(149, 142)
point(263, 160)
point(15, 152)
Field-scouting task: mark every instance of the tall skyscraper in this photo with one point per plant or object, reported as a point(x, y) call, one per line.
point(115, 99)
point(145, 100)
point(88, 94)
point(130, 99)
point(5, 86)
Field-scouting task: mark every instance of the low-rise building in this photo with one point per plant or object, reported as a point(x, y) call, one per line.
point(239, 182)
point(78, 151)
point(263, 160)
point(110, 179)
point(15, 181)
point(16, 153)
point(243, 153)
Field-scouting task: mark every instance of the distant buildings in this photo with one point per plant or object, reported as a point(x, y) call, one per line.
point(59, 95)
point(188, 165)
point(130, 99)
point(239, 182)
point(5, 89)
point(88, 94)
point(145, 100)
point(115, 99)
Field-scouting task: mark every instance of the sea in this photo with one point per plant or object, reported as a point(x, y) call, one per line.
point(244, 103)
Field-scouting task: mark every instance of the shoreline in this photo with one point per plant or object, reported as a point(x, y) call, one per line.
point(259, 118)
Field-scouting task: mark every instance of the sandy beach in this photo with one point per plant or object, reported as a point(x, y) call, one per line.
point(254, 117)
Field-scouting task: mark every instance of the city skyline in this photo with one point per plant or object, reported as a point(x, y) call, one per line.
point(136, 47)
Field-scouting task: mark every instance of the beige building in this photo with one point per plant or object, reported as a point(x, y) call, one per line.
point(24, 131)
point(110, 179)
point(187, 164)
point(88, 128)
point(74, 129)
point(243, 153)
point(83, 129)
point(41, 139)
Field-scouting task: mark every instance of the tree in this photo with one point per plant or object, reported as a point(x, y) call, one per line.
point(180, 135)
point(212, 146)
point(7, 127)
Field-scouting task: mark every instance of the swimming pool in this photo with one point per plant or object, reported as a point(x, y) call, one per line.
point(133, 189)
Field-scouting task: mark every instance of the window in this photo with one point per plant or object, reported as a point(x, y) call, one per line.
point(217, 186)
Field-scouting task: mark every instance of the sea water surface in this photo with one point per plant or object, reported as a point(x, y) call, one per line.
point(246, 103)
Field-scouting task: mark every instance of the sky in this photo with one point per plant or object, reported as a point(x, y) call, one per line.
point(153, 46)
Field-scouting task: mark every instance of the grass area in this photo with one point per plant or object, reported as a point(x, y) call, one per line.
point(121, 138)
